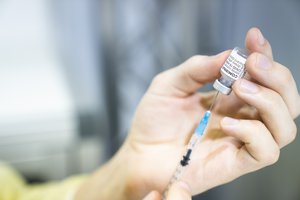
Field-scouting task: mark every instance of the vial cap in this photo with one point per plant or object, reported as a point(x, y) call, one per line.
point(222, 88)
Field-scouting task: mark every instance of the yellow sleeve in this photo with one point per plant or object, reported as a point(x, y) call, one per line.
point(11, 183)
point(13, 187)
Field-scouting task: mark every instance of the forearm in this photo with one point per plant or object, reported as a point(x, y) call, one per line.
point(109, 182)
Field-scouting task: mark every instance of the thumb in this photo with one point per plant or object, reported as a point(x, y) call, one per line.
point(188, 77)
point(179, 191)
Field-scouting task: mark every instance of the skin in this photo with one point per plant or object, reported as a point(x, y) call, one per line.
point(178, 191)
point(245, 133)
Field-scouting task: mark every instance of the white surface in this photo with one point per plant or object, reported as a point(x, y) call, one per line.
point(31, 80)
point(38, 125)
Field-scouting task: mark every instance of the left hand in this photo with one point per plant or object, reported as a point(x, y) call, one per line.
point(261, 110)
point(263, 122)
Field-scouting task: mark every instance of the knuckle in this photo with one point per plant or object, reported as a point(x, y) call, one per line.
point(272, 100)
point(289, 136)
point(292, 133)
point(286, 76)
point(272, 157)
point(296, 111)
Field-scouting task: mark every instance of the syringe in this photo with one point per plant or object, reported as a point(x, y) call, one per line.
point(232, 69)
point(199, 131)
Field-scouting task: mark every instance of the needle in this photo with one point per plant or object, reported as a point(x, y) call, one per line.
point(199, 131)
point(214, 101)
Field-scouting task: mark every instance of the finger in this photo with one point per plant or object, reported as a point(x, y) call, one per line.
point(259, 150)
point(255, 42)
point(188, 77)
point(179, 191)
point(276, 77)
point(271, 108)
point(154, 195)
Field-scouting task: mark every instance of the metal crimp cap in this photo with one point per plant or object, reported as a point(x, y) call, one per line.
point(222, 88)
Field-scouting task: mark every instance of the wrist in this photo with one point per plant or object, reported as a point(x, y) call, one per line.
point(110, 181)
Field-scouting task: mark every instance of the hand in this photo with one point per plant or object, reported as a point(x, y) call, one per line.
point(178, 191)
point(263, 112)
point(245, 133)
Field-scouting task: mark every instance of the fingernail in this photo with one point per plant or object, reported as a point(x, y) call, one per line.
point(260, 38)
point(248, 87)
point(229, 121)
point(263, 62)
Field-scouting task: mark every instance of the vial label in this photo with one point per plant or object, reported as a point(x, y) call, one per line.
point(232, 69)
point(234, 66)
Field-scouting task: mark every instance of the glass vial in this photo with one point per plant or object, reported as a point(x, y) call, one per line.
point(232, 69)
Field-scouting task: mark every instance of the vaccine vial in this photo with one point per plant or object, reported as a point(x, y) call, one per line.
point(232, 69)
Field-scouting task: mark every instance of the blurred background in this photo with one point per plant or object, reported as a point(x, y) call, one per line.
point(73, 71)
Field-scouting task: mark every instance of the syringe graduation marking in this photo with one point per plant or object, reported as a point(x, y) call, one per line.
point(192, 143)
point(198, 132)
